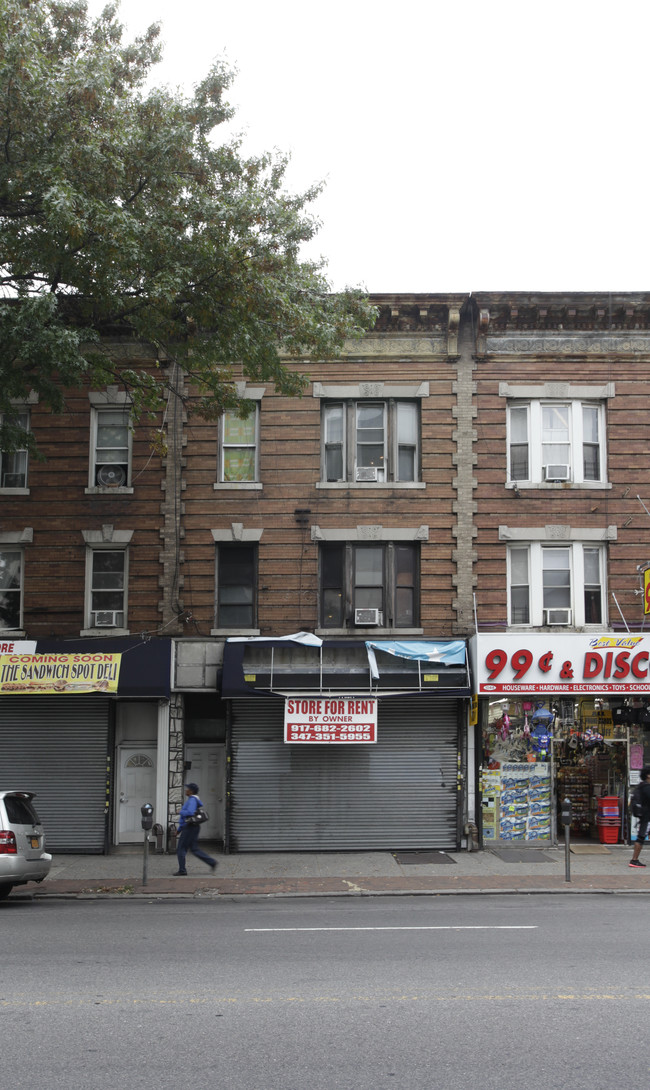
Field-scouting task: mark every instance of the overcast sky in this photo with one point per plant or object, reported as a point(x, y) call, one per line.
point(466, 146)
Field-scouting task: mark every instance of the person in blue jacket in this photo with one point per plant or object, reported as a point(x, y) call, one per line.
point(188, 834)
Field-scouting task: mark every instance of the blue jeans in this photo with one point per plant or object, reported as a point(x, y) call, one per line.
point(188, 842)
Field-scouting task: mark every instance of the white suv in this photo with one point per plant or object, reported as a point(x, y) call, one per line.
point(22, 840)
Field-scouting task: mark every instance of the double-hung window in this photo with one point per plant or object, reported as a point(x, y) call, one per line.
point(239, 448)
point(556, 441)
point(108, 582)
point(11, 590)
point(556, 585)
point(367, 584)
point(13, 466)
point(370, 440)
point(111, 448)
point(236, 586)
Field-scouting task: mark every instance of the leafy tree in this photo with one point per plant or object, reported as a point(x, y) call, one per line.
point(121, 210)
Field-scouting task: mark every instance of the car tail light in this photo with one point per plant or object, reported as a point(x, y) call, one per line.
point(7, 843)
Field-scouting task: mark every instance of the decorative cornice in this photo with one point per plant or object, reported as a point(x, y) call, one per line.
point(396, 346)
point(568, 344)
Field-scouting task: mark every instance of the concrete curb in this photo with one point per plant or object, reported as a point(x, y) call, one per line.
point(287, 890)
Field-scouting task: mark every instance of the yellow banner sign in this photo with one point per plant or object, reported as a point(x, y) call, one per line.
point(52, 673)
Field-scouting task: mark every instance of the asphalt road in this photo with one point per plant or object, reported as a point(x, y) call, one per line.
point(325, 994)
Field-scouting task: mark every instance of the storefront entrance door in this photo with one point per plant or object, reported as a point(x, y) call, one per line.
point(137, 785)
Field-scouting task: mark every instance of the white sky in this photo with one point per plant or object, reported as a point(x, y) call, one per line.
point(466, 146)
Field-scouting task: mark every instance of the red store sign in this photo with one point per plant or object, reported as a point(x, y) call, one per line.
point(572, 662)
point(342, 720)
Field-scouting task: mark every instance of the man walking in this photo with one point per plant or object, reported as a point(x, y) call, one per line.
point(642, 793)
point(188, 832)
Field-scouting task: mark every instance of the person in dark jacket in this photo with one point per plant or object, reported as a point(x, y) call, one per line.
point(188, 834)
point(644, 819)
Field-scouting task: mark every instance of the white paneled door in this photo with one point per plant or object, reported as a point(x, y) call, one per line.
point(208, 770)
point(137, 785)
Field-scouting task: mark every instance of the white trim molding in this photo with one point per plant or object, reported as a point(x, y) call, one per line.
point(369, 390)
point(371, 533)
point(557, 533)
point(236, 532)
point(563, 390)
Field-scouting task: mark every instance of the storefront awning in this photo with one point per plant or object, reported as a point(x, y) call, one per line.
point(289, 665)
point(122, 666)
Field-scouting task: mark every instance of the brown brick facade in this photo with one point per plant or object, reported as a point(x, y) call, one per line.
point(466, 354)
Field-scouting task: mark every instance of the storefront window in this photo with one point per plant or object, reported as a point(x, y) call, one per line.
point(517, 789)
point(537, 753)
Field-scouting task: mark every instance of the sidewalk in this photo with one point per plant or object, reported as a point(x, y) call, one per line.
point(593, 868)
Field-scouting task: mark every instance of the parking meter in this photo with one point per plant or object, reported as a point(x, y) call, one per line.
point(565, 812)
point(147, 822)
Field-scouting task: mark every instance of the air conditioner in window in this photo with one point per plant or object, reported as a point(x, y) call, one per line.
point(368, 616)
point(14, 480)
point(107, 618)
point(557, 616)
point(557, 472)
point(367, 473)
point(111, 476)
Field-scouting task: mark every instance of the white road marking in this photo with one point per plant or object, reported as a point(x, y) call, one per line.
point(447, 927)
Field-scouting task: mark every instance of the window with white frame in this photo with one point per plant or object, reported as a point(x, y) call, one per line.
point(239, 447)
point(236, 597)
point(370, 440)
point(13, 466)
point(107, 577)
point(111, 448)
point(11, 590)
point(556, 440)
point(368, 584)
point(553, 585)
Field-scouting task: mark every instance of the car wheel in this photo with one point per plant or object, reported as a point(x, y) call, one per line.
point(5, 891)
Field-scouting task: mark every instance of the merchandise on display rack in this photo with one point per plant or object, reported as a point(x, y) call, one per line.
point(536, 753)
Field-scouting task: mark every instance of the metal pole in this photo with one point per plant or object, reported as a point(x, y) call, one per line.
point(145, 857)
point(567, 854)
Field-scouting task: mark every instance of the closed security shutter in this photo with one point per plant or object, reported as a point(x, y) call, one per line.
point(56, 746)
point(400, 793)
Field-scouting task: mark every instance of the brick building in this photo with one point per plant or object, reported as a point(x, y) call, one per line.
point(471, 472)
point(560, 523)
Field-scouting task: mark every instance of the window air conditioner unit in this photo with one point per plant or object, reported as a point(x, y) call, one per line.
point(107, 618)
point(557, 472)
point(13, 480)
point(367, 473)
point(368, 616)
point(557, 616)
